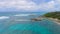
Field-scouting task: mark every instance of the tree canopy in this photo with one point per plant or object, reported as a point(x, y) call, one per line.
point(53, 15)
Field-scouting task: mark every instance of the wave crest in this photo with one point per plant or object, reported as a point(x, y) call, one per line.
point(4, 17)
point(24, 14)
point(22, 20)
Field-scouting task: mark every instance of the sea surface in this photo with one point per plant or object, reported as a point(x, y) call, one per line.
point(20, 23)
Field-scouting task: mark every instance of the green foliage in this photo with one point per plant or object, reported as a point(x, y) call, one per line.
point(53, 15)
point(59, 18)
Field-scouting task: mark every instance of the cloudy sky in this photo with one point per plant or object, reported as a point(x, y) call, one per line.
point(29, 5)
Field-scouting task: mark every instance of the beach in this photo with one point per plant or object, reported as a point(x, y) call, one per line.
point(55, 20)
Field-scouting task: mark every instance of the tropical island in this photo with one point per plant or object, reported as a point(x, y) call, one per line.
point(54, 16)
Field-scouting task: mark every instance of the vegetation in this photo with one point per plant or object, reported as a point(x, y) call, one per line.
point(53, 15)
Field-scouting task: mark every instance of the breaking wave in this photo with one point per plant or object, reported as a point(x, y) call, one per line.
point(22, 20)
point(24, 14)
point(4, 17)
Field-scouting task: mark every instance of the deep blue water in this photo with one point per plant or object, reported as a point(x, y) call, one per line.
point(8, 25)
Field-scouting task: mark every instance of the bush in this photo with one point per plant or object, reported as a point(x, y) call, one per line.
point(53, 15)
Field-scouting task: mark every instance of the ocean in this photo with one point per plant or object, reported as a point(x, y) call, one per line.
point(20, 23)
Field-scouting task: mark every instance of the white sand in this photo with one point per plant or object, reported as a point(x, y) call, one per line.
point(55, 20)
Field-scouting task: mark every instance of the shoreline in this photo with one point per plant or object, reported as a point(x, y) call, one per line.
point(55, 20)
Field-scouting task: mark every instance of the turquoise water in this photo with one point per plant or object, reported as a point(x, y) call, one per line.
point(9, 26)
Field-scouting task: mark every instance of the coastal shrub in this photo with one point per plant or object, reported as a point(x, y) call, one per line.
point(59, 18)
point(53, 15)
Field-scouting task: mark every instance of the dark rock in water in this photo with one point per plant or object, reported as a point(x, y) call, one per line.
point(36, 19)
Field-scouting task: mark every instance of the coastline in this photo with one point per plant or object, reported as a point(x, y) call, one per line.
point(55, 20)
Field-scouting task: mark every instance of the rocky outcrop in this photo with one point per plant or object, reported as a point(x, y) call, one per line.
point(36, 19)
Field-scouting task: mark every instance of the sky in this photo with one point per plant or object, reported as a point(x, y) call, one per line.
point(29, 5)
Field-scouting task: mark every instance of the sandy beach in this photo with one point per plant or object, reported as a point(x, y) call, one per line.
point(55, 20)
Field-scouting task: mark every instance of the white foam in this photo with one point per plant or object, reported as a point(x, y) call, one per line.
point(4, 17)
point(23, 14)
point(22, 20)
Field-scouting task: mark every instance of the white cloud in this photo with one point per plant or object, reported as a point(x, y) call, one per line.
point(29, 5)
point(57, 5)
point(21, 4)
point(47, 6)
